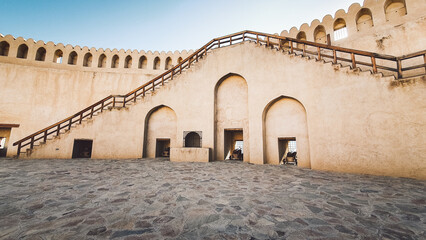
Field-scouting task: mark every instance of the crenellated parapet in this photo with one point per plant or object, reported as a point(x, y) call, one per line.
point(41, 54)
point(372, 17)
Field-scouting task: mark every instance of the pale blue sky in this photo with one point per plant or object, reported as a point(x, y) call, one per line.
point(154, 25)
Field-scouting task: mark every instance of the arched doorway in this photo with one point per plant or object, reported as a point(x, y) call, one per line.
point(160, 132)
point(231, 117)
point(285, 123)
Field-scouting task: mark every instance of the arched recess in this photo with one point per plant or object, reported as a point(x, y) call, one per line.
point(301, 36)
point(160, 127)
point(156, 63)
point(87, 61)
point(115, 61)
point(128, 62)
point(102, 61)
point(57, 57)
point(72, 60)
point(143, 62)
point(364, 19)
point(180, 60)
point(320, 35)
point(395, 9)
point(168, 63)
point(231, 116)
point(41, 54)
point(4, 48)
point(285, 118)
point(193, 139)
point(340, 30)
point(22, 51)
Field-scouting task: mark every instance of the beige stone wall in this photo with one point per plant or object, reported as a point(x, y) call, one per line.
point(356, 122)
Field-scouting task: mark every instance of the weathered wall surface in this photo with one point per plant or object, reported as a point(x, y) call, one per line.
point(356, 122)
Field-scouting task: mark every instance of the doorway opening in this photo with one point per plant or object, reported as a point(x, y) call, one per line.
point(82, 148)
point(162, 147)
point(287, 150)
point(234, 144)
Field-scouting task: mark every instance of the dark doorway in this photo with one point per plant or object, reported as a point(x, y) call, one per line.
point(82, 148)
point(162, 147)
point(287, 150)
point(234, 144)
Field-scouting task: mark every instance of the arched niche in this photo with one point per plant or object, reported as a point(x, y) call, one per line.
point(301, 36)
point(168, 63)
point(22, 51)
point(115, 61)
point(395, 9)
point(142, 62)
point(320, 35)
point(40, 54)
point(340, 30)
point(128, 62)
point(58, 56)
point(231, 116)
point(284, 119)
point(156, 63)
point(364, 19)
point(160, 131)
point(72, 59)
point(4, 48)
point(102, 61)
point(87, 60)
point(179, 60)
point(192, 139)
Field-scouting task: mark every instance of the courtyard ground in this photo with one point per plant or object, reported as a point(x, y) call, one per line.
point(157, 199)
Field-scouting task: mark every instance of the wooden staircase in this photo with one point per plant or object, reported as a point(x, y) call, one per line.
point(374, 63)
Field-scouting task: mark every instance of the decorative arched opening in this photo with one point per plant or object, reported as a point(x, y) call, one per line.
point(193, 140)
point(395, 9)
point(364, 19)
point(40, 54)
point(168, 63)
point(87, 61)
point(22, 51)
point(160, 132)
point(115, 61)
point(128, 62)
point(143, 62)
point(320, 35)
point(4, 48)
point(72, 59)
point(231, 118)
point(340, 29)
point(102, 61)
point(156, 63)
point(285, 130)
point(58, 56)
point(180, 60)
point(301, 36)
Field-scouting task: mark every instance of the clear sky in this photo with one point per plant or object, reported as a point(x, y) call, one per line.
point(161, 25)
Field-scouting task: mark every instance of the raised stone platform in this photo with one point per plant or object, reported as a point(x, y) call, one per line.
point(189, 154)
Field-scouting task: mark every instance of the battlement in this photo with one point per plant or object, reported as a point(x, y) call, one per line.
point(38, 53)
point(372, 18)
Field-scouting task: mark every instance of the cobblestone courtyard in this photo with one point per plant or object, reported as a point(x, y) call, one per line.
point(157, 199)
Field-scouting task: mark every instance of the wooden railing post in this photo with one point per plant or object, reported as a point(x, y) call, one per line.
point(424, 60)
point(399, 67)
point(230, 40)
point(32, 142)
point(143, 91)
point(124, 102)
point(19, 149)
point(102, 106)
point(291, 47)
point(180, 68)
point(257, 39)
point(113, 102)
point(81, 116)
point(218, 43)
point(267, 41)
point(353, 61)
point(319, 53)
point(58, 129)
point(153, 86)
point(69, 124)
point(244, 37)
point(134, 100)
point(334, 57)
point(91, 112)
point(205, 50)
point(45, 136)
point(373, 62)
point(162, 80)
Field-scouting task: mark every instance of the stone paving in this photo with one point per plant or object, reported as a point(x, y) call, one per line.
point(158, 199)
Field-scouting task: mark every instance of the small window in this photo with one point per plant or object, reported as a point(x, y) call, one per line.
point(156, 63)
point(22, 51)
point(115, 61)
point(168, 63)
point(340, 30)
point(4, 48)
point(87, 61)
point(142, 62)
point(72, 60)
point(2, 142)
point(128, 62)
point(40, 54)
point(57, 58)
point(102, 61)
point(192, 139)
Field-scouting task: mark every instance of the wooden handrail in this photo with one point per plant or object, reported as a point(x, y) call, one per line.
point(224, 41)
